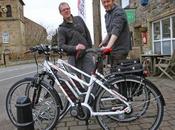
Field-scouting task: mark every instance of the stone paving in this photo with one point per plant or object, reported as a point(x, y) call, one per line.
point(167, 88)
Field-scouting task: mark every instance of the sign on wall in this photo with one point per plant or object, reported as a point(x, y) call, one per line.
point(5, 37)
point(131, 15)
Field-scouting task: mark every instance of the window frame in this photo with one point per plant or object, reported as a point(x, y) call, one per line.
point(163, 40)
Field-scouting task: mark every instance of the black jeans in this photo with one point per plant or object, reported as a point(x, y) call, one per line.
point(86, 64)
point(116, 57)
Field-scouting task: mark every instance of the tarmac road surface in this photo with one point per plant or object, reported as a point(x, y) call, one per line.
point(8, 76)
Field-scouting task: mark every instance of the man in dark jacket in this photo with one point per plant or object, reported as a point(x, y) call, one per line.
point(74, 38)
point(118, 34)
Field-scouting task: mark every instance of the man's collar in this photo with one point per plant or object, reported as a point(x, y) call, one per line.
point(113, 6)
point(68, 20)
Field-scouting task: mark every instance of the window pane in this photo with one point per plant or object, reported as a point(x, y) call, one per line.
point(173, 44)
point(157, 47)
point(166, 28)
point(173, 26)
point(156, 27)
point(166, 47)
point(9, 11)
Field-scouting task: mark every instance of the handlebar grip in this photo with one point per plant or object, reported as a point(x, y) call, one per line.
point(105, 51)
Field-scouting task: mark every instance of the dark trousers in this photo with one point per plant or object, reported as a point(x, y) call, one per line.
point(115, 59)
point(85, 63)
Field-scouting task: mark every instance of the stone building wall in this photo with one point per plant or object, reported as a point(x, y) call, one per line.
point(15, 33)
point(145, 15)
point(34, 33)
point(22, 31)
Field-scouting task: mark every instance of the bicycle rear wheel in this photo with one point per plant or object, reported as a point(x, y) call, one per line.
point(144, 98)
point(45, 111)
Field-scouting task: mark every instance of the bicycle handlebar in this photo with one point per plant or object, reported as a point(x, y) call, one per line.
point(45, 49)
point(104, 51)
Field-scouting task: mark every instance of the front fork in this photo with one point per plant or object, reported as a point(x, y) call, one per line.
point(37, 88)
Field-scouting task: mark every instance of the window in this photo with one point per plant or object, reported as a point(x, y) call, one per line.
point(9, 11)
point(164, 36)
point(157, 31)
point(5, 37)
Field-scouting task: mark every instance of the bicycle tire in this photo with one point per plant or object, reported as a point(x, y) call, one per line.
point(45, 112)
point(154, 105)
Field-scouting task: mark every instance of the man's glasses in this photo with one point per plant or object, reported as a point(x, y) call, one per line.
point(65, 9)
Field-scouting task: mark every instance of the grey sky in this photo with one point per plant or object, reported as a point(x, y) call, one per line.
point(45, 12)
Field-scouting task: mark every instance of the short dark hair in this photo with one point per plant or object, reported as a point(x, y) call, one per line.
point(62, 3)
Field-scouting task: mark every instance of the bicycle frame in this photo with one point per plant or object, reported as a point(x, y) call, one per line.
point(61, 67)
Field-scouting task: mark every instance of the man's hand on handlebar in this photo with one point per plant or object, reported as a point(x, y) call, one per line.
point(80, 47)
point(101, 44)
point(106, 50)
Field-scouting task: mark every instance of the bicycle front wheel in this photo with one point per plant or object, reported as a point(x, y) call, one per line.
point(45, 111)
point(144, 98)
point(63, 100)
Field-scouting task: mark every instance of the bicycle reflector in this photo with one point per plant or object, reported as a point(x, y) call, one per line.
point(107, 51)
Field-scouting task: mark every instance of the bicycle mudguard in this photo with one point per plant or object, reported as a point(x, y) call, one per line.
point(157, 90)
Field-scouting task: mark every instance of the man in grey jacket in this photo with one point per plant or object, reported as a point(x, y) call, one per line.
point(74, 38)
point(118, 34)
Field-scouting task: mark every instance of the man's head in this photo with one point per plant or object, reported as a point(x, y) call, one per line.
point(64, 9)
point(107, 4)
